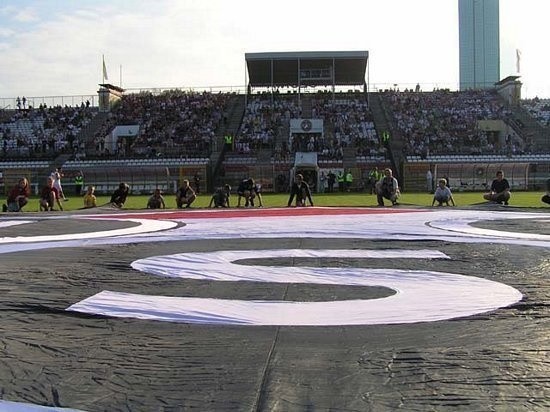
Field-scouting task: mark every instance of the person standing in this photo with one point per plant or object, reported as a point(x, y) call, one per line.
point(78, 183)
point(197, 181)
point(56, 175)
point(429, 181)
point(322, 182)
point(341, 179)
point(387, 188)
point(500, 190)
point(228, 140)
point(257, 195)
point(301, 191)
point(374, 177)
point(331, 179)
point(348, 179)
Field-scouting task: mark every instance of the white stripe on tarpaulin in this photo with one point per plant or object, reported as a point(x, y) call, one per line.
point(8, 223)
point(450, 225)
point(7, 406)
point(143, 226)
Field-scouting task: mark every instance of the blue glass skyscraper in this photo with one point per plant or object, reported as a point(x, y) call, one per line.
point(479, 43)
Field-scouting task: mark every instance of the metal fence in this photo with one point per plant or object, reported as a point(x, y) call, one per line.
point(141, 179)
point(476, 176)
point(10, 103)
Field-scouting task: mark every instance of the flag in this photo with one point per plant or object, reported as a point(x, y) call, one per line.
point(105, 77)
point(518, 58)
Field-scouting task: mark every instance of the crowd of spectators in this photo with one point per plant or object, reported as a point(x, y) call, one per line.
point(445, 122)
point(184, 123)
point(281, 152)
point(264, 118)
point(539, 109)
point(43, 131)
point(347, 122)
point(174, 122)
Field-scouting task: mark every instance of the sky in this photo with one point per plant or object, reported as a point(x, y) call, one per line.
point(55, 48)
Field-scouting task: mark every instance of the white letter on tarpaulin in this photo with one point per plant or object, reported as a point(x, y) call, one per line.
point(419, 295)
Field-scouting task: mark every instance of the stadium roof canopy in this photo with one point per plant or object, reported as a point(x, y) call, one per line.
point(296, 69)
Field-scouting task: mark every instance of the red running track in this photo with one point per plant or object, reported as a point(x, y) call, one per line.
point(263, 212)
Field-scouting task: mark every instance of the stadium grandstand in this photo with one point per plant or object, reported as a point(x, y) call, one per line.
point(311, 112)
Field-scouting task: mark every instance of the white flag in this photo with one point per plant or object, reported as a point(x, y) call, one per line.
point(105, 77)
point(518, 58)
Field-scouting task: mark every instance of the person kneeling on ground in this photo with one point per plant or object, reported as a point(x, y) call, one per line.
point(500, 190)
point(156, 201)
point(89, 198)
point(387, 188)
point(49, 196)
point(220, 198)
point(185, 195)
point(546, 197)
point(301, 190)
point(119, 196)
point(247, 191)
point(18, 196)
point(443, 194)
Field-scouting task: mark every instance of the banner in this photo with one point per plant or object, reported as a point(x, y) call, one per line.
point(306, 126)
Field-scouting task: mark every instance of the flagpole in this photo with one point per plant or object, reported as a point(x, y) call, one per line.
point(103, 69)
point(121, 76)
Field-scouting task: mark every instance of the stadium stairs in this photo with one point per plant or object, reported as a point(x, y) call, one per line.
point(87, 134)
point(282, 135)
point(306, 108)
point(531, 129)
point(350, 158)
point(382, 123)
point(60, 160)
point(234, 115)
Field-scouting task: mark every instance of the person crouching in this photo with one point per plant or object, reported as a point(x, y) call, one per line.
point(49, 196)
point(387, 188)
point(156, 201)
point(443, 194)
point(119, 196)
point(301, 190)
point(185, 195)
point(18, 196)
point(221, 196)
